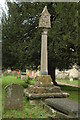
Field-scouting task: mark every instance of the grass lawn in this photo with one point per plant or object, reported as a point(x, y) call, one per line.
point(12, 79)
point(73, 91)
point(67, 81)
point(28, 110)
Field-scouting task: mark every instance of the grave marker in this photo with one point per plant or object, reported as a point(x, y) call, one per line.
point(44, 87)
point(14, 96)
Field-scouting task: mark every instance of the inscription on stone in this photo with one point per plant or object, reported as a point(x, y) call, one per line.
point(14, 96)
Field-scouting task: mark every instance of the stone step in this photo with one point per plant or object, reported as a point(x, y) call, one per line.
point(36, 89)
point(47, 95)
point(65, 106)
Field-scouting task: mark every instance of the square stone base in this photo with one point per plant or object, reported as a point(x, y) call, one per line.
point(44, 80)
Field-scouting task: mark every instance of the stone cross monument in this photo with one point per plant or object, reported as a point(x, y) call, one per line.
point(44, 23)
point(44, 87)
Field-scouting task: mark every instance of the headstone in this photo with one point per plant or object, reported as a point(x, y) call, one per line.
point(14, 96)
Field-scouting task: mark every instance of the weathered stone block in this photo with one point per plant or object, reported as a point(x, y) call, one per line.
point(43, 80)
point(14, 96)
point(47, 95)
point(65, 106)
point(36, 89)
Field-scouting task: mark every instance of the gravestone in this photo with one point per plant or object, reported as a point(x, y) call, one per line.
point(14, 96)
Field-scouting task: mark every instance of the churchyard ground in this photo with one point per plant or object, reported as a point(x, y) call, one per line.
point(75, 82)
point(28, 110)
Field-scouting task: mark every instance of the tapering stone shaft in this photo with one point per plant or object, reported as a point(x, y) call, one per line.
point(44, 62)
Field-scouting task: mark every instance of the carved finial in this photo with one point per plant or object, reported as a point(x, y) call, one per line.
point(45, 10)
point(44, 20)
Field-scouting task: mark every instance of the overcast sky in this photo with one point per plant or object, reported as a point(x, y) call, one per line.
point(3, 7)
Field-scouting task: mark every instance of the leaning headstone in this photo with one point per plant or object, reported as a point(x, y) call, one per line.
point(14, 96)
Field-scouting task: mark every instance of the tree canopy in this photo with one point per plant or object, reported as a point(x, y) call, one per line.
point(22, 36)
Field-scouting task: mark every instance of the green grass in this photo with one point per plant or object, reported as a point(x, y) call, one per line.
point(67, 81)
point(73, 91)
point(31, 82)
point(28, 110)
point(12, 79)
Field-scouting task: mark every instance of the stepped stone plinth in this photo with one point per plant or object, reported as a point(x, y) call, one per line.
point(44, 88)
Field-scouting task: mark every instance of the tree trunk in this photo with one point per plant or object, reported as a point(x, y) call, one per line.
point(52, 73)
